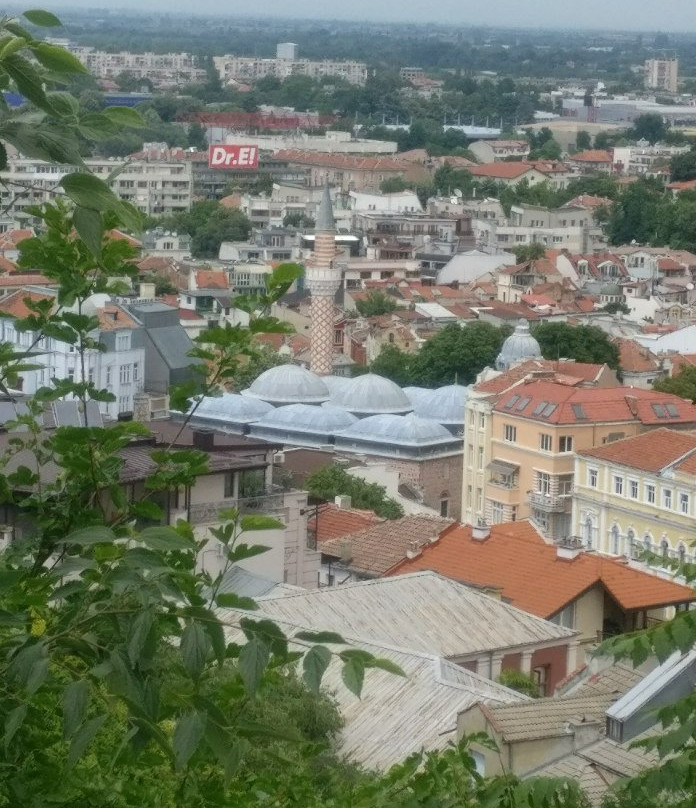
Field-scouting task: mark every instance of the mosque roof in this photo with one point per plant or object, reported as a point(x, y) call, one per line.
point(518, 346)
point(371, 395)
point(288, 384)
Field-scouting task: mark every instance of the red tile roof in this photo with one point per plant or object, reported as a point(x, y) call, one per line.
point(346, 161)
point(119, 235)
point(27, 279)
point(114, 318)
point(11, 238)
point(579, 370)
point(516, 559)
point(652, 451)
point(15, 304)
point(335, 522)
point(7, 267)
point(589, 201)
point(591, 156)
point(598, 405)
point(635, 358)
point(683, 185)
point(211, 279)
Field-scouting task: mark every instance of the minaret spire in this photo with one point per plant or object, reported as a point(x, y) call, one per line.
point(323, 281)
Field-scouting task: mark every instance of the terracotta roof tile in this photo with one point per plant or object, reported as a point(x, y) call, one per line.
point(580, 370)
point(15, 304)
point(25, 279)
point(591, 156)
point(635, 358)
point(651, 451)
point(114, 318)
point(346, 161)
point(600, 405)
point(335, 522)
point(515, 556)
point(7, 267)
point(378, 548)
point(211, 279)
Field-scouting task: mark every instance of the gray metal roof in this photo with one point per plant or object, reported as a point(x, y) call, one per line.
point(288, 384)
point(325, 219)
point(308, 418)
point(422, 611)
point(446, 405)
point(173, 344)
point(518, 346)
point(250, 585)
point(231, 407)
point(371, 395)
point(404, 430)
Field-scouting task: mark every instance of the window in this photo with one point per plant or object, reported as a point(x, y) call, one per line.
point(229, 485)
point(479, 498)
point(647, 542)
point(123, 342)
point(543, 482)
point(565, 443)
point(136, 372)
point(592, 476)
point(566, 617)
point(482, 420)
point(545, 443)
point(650, 493)
point(471, 456)
point(124, 374)
point(618, 485)
point(631, 541)
point(588, 532)
point(633, 489)
point(444, 507)
point(565, 485)
point(108, 375)
point(510, 433)
point(684, 502)
point(664, 548)
point(667, 498)
point(615, 540)
point(480, 457)
point(496, 513)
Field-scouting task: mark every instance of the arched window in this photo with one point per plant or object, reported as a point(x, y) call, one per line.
point(588, 529)
point(647, 542)
point(615, 540)
point(681, 552)
point(631, 541)
point(664, 548)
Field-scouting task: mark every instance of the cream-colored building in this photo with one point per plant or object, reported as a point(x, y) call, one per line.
point(638, 494)
point(537, 428)
point(662, 74)
point(489, 388)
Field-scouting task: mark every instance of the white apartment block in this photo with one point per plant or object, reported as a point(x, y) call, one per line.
point(157, 188)
point(160, 68)
point(251, 69)
point(491, 151)
point(329, 143)
point(661, 74)
point(643, 158)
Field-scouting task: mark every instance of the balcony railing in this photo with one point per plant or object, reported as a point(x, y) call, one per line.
point(549, 502)
point(269, 502)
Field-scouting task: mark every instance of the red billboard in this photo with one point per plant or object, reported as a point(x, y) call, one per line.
point(233, 157)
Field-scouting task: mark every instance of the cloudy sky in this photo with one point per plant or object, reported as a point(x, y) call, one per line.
point(664, 15)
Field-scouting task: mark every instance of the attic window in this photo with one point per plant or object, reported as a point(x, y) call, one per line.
point(550, 409)
point(578, 412)
point(659, 410)
point(523, 403)
point(511, 403)
point(540, 408)
point(672, 410)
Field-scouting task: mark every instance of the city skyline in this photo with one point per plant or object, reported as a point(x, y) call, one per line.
point(674, 15)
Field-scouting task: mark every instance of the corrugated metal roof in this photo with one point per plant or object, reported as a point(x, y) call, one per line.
point(423, 611)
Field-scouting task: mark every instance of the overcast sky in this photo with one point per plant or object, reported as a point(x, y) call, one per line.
point(664, 15)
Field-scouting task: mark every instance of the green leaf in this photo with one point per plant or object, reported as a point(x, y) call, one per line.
point(86, 536)
point(388, 665)
point(164, 539)
point(195, 646)
point(252, 662)
point(15, 719)
point(41, 18)
point(187, 736)
point(26, 79)
point(353, 675)
point(29, 667)
point(83, 738)
point(57, 59)
point(124, 117)
point(314, 665)
point(140, 630)
point(231, 601)
point(228, 750)
point(90, 228)
point(320, 636)
point(242, 551)
point(260, 523)
point(88, 191)
point(251, 729)
point(75, 703)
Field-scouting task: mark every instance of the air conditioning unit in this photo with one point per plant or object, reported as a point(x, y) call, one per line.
point(279, 458)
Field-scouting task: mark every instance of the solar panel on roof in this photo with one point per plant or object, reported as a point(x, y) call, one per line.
point(540, 408)
point(66, 413)
point(511, 403)
point(672, 410)
point(550, 409)
point(523, 403)
point(94, 417)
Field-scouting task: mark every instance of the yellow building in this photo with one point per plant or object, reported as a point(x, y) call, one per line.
point(536, 429)
point(483, 396)
point(638, 494)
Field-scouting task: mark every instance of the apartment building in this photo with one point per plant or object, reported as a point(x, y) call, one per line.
point(555, 173)
point(537, 428)
point(493, 151)
point(162, 69)
point(156, 187)
point(661, 74)
point(638, 494)
point(490, 387)
point(250, 69)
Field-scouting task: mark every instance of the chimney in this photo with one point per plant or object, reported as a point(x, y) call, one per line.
point(480, 531)
point(414, 549)
point(569, 549)
point(343, 502)
point(632, 403)
point(204, 439)
point(146, 291)
point(141, 407)
point(346, 552)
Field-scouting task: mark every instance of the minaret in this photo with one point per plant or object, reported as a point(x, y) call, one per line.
point(323, 280)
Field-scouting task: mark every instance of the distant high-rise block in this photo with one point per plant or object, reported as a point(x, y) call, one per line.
point(661, 74)
point(287, 50)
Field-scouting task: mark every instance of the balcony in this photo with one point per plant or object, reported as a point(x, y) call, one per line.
point(549, 502)
point(268, 503)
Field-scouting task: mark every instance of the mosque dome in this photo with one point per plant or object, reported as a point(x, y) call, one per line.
point(302, 424)
point(288, 384)
point(418, 395)
point(371, 395)
point(231, 407)
point(518, 346)
point(401, 430)
point(446, 405)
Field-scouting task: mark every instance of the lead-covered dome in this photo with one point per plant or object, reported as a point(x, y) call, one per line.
point(371, 395)
point(288, 384)
point(518, 346)
point(303, 424)
point(404, 430)
point(230, 407)
point(446, 405)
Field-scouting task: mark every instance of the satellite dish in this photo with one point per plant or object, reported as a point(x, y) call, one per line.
point(458, 193)
point(454, 200)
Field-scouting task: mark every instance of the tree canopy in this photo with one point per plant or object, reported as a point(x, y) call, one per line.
point(376, 302)
point(682, 384)
point(583, 343)
point(331, 481)
point(209, 224)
